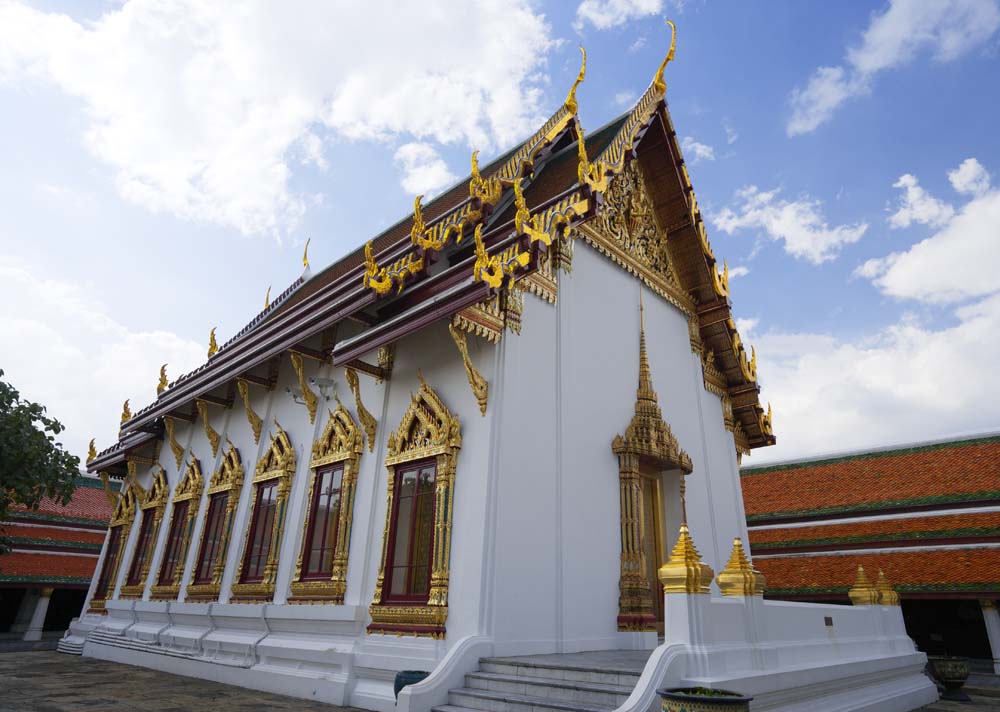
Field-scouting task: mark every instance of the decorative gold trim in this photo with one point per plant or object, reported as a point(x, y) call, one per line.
point(386, 357)
point(228, 478)
point(341, 441)
point(485, 319)
point(277, 463)
point(381, 279)
point(312, 401)
point(91, 450)
point(740, 578)
point(213, 345)
point(428, 429)
point(863, 593)
point(243, 386)
point(658, 83)
point(126, 411)
point(480, 387)
point(162, 384)
point(685, 572)
point(570, 103)
point(175, 447)
point(368, 421)
point(154, 501)
point(887, 595)
point(187, 490)
point(210, 432)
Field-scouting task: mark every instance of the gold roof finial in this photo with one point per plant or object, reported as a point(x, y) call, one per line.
point(862, 593)
point(570, 103)
point(126, 411)
point(267, 298)
point(417, 231)
point(740, 578)
point(658, 82)
point(91, 451)
point(305, 253)
point(685, 572)
point(887, 596)
point(162, 385)
point(213, 346)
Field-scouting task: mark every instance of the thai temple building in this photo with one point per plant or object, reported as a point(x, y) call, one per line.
point(927, 514)
point(499, 443)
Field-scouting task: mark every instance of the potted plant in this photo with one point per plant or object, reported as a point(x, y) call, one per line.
point(407, 677)
point(702, 699)
point(951, 672)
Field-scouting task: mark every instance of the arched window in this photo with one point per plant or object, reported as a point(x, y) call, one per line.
point(411, 594)
point(118, 528)
point(272, 482)
point(321, 572)
point(152, 505)
point(186, 501)
point(223, 496)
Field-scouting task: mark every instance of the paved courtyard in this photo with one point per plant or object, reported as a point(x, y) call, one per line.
point(52, 682)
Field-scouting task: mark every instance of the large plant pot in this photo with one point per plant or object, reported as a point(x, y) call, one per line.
point(702, 699)
point(952, 673)
point(407, 677)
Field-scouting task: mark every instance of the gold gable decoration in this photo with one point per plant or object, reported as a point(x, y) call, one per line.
point(152, 503)
point(341, 441)
point(428, 429)
point(228, 478)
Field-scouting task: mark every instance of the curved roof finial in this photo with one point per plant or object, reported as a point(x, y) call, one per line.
point(658, 82)
point(570, 103)
point(305, 254)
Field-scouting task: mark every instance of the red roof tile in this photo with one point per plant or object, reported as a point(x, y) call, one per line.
point(89, 502)
point(75, 536)
point(15, 565)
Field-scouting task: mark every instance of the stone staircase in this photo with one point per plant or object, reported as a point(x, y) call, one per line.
point(541, 683)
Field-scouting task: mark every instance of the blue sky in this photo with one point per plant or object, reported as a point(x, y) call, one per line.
point(164, 163)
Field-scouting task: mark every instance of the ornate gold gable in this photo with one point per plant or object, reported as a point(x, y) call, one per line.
point(128, 498)
point(152, 504)
point(341, 441)
point(277, 463)
point(647, 443)
point(188, 490)
point(228, 478)
point(428, 429)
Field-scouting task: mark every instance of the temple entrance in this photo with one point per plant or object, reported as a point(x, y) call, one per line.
point(653, 546)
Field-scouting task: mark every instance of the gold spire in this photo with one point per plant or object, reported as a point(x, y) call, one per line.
point(91, 451)
point(213, 347)
point(661, 86)
point(887, 596)
point(126, 412)
point(862, 593)
point(162, 385)
point(740, 578)
point(305, 254)
point(570, 103)
point(685, 572)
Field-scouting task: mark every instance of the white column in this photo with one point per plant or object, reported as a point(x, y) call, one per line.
point(992, 619)
point(38, 617)
point(25, 610)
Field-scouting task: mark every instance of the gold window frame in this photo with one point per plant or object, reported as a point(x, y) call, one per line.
point(155, 502)
point(277, 463)
point(123, 516)
point(228, 478)
point(341, 442)
point(187, 490)
point(428, 429)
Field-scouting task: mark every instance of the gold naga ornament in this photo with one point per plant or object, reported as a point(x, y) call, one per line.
point(213, 346)
point(91, 450)
point(267, 298)
point(162, 385)
point(305, 254)
point(126, 411)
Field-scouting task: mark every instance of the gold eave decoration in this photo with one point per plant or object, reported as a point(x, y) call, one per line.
point(126, 411)
point(312, 401)
point(91, 450)
point(863, 593)
point(243, 386)
point(740, 578)
point(188, 490)
point(162, 385)
point(368, 421)
point(175, 447)
point(887, 596)
point(685, 572)
point(480, 387)
point(153, 503)
point(213, 346)
point(210, 432)
point(228, 478)
point(341, 441)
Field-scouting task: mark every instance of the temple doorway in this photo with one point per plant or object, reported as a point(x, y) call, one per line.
point(653, 546)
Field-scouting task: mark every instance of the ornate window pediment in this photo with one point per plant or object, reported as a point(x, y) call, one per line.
point(335, 457)
point(223, 496)
point(152, 504)
point(118, 528)
point(428, 432)
point(186, 502)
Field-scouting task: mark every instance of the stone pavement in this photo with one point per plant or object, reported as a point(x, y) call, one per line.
point(53, 682)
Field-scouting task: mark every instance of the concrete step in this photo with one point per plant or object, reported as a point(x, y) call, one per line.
point(567, 673)
point(560, 690)
point(512, 702)
point(69, 647)
point(118, 641)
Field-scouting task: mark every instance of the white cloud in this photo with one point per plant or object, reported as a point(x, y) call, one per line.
point(202, 110)
point(746, 326)
point(624, 98)
point(603, 14)
point(424, 171)
point(947, 28)
point(739, 271)
point(957, 263)
point(700, 151)
point(970, 178)
point(731, 134)
point(637, 45)
point(799, 224)
point(917, 205)
point(62, 350)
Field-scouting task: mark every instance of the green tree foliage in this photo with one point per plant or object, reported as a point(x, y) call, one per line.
point(33, 465)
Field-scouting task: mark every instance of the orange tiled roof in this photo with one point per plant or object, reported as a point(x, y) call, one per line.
point(61, 535)
point(41, 567)
point(944, 526)
point(965, 570)
point(942, 472)
point(89, 502)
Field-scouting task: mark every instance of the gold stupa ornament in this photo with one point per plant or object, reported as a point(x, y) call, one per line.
point(863, 593)
point(685, 572)
point(887, 595)
point(740, 578)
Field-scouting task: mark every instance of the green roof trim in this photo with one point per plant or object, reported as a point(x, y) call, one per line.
point(875, 506)
point(12, 578)
point(55, 543)
point(894, 536)
point(914, 450)
point(42, 517)
point(95, 483)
